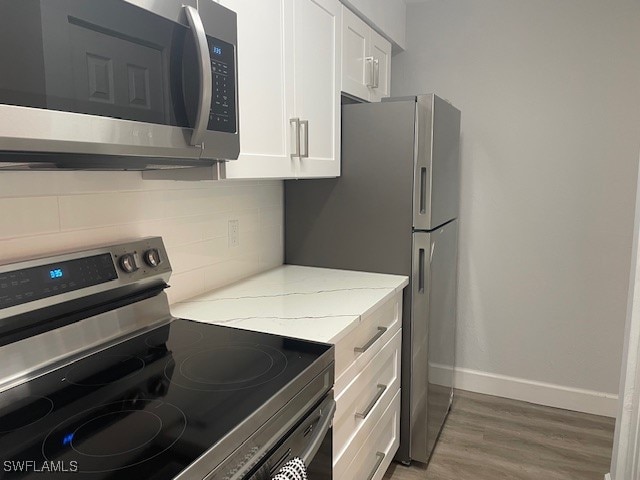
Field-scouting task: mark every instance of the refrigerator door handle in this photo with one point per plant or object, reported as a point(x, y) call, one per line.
point(421, 260)
point(423, 190)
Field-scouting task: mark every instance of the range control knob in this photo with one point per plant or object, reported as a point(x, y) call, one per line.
point(152, 257)
point(128, 263)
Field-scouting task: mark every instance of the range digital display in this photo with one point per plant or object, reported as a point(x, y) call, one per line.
point(35, 283)
point(56, 274)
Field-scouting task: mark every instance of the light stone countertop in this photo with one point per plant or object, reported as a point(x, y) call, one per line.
point(303, 302)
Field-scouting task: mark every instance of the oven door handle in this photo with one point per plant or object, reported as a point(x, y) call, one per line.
point(204, 70)
point(323, 426)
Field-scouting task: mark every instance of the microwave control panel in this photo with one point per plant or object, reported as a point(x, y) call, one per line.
point(223, 115)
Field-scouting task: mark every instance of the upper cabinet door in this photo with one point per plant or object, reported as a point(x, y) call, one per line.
point(366, 59)
point(266, 99)
point(357, 64)
point(380, 51)
point(316, 42)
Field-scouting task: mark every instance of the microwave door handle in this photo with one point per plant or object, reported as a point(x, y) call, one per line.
point(204, 69)
point(324, 424)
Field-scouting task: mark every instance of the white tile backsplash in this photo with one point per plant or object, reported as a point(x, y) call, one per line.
point(28, 216)
point(43, 213)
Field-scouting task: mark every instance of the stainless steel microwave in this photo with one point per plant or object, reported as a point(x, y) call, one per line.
point(117, 84)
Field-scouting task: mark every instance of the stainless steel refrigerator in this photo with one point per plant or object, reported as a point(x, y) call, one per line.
point(394, 209)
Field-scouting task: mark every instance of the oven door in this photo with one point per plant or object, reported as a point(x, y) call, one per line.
point(119, 78)
point(311, 440)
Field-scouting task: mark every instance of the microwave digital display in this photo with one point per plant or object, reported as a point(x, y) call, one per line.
point(222, 117)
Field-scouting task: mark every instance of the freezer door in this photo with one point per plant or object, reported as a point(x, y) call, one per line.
point(442, 327)
point(437, 162)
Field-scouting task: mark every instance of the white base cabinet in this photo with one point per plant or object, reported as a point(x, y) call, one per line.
point(289, 72)
point(378, 449)
point(367, 391)
point(366, 59)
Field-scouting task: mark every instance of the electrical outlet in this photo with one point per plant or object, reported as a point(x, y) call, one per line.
point(234, 233)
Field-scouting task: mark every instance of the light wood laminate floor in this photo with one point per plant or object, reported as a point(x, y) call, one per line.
point(495, 438)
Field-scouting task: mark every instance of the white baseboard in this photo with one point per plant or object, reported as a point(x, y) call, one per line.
point(576, 399)
point(607, 476)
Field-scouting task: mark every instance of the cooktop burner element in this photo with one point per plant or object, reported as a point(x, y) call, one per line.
point(116, 436)
point(153, 403)
point(103, 370)
point(148, 426)
point(209, 369)
point(24, 412)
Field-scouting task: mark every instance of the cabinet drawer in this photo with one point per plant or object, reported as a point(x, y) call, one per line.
point(361, 404)
point(356, 349)
point(375, 455)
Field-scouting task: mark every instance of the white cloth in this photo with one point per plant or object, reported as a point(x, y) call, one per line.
point(292, 470)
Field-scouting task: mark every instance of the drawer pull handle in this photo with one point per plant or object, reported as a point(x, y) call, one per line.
point(366, 347)
point(380, 456)
point(367, 411)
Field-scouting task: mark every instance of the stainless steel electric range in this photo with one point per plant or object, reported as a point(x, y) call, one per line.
point(99, 381)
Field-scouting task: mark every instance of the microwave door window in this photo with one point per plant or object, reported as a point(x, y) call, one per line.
point(106, 58)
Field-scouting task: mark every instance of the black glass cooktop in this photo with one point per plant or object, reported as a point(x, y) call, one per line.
point(147, 408)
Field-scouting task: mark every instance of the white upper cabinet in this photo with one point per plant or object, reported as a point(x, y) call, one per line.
point(289, 74)
point(366, 59)
point(356, 62)
point(317, 72)
point(389, 17)
point(266, 104)
point(380, 51)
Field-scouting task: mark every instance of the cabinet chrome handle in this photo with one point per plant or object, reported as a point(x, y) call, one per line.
point(296, 124)
point(369, 66)
point(376, 73)
point(204, 70)
point(380, 456)
point(367, 411)
point(305, 123)
point(367, 345)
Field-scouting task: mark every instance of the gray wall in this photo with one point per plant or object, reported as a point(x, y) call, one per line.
point(550, 98)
